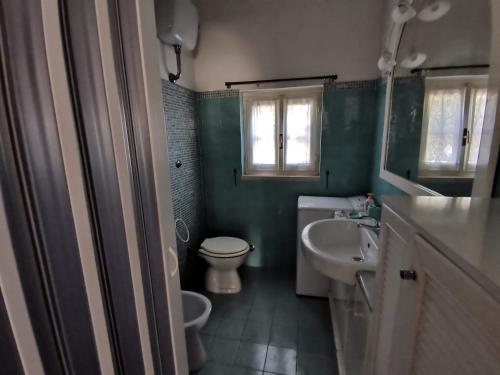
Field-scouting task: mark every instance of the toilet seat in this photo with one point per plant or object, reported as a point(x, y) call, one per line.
point(224, 247)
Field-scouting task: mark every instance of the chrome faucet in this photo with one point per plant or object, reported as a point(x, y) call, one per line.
point(375, 228)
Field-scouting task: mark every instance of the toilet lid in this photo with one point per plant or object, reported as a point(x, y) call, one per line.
point(224, 245)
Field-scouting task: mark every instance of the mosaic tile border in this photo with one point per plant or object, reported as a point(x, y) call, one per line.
point(176, 88)
point(382, 81)
point(364, 84)
point(346, 85)
point(217, 94)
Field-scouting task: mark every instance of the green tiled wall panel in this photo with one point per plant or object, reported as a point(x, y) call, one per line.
point(378, 186)
point(264, 211)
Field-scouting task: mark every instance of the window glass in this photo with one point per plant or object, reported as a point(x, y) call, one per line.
point(453, 118)
point(478, 106)
point(444, 126)
point(299, 114)
point(263, 133)
point(282, 131)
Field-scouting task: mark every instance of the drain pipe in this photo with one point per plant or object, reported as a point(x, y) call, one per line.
point(174, 77)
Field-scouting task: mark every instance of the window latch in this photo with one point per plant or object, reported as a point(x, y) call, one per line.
point(281, 141)
point(465, 137)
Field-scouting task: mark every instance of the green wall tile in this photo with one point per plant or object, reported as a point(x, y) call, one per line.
point(264, 211)
point(379, 186)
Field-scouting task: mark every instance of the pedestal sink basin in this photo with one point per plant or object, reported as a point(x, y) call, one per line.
point(339, 248)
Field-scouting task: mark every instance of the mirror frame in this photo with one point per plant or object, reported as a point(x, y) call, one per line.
point(490, 139)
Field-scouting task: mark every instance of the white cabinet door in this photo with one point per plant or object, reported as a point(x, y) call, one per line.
point(458, 327)
point(396, 302)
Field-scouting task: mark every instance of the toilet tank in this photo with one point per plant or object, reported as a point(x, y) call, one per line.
point(309, 282)
point(177, 22)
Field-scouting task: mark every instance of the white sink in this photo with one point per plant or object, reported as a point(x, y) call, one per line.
point(338, 248)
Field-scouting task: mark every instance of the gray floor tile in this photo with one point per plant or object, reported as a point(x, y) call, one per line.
point(213, 368)
point(211, 326)
point(218, 313)
point(314, 313)
point(219, 301)
point(230, 328)
point(244, 371)
point(251, 356)
point(316, 341)
point(286, 315)
point(265, 301)
point(237, 312)
point(316, 323)
point(261, 313)
point(235, 301)
point(222, 350)
point(288, 299)
point(281, 360)
point(206, 340)
point(256, 331)
point(315, 364)
point(268, 311)
point(283, 335)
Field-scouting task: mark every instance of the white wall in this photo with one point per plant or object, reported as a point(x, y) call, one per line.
point(262, 39)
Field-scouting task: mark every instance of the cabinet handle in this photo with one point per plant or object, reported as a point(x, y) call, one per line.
point(408, 274)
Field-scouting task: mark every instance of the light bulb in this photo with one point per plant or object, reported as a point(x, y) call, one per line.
point(414, 60)
point(434, 11)
point(403, 12)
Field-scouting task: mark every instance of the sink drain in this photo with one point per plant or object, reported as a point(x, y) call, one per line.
point(357, 259)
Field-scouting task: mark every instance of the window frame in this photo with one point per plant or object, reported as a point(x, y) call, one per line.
point(467, 83)
point(279, 169)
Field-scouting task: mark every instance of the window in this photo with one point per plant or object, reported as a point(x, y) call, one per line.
point(282, 131)
point(452, 125)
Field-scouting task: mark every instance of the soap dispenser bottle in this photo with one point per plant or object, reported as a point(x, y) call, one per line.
point(369, 201)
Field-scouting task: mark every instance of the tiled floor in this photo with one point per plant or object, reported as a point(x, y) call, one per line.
point(267, 329)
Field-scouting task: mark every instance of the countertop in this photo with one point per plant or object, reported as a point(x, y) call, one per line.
point(466, 230)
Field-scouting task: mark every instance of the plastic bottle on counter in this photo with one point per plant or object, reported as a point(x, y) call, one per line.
point(369, 201)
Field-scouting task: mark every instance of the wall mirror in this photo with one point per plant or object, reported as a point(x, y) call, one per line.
point(438, 96)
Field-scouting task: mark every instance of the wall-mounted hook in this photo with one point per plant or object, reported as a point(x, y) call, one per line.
point(235, 173)
point(327, 177)
point(178, 163)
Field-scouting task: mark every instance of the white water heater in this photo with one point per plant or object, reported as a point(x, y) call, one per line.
point(177, 23)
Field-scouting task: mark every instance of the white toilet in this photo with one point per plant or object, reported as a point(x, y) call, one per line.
point(224, 255)
point(196, 309)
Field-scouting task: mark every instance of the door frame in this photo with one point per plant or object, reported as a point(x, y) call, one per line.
point(132, 78)
point(36, 199)
point(156, 124)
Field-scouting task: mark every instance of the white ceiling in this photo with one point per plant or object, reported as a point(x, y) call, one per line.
point(461, 37)
point(263, 39)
